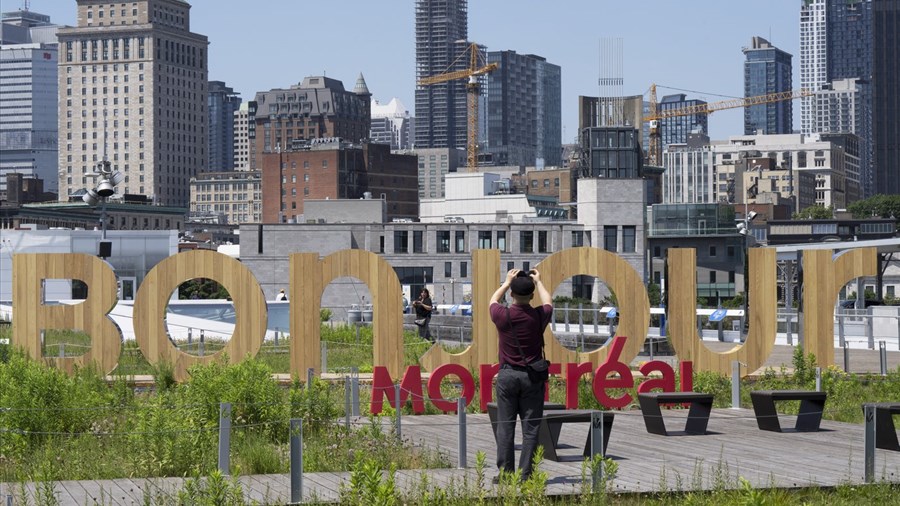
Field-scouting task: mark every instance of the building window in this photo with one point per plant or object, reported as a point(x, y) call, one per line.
point(501, 240)
point(401, 241)
point(609, 238)
point(443, 241)
point(731, 276)
point(712, 251)
point(510, 266)
point(543, 244)
point(526, 241)
point(448, 269)
point(628, 239)
point(484, 239)
point(730, 251)
point(418, 246)
point(460, 241)
point(577, 238)
point(712, 276)
point(463, 269)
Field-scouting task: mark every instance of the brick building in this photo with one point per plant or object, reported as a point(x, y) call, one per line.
point(332, 169)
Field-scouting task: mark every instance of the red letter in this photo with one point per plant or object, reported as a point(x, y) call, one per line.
point(574, 372)
point(612, 365)
point(486, 372)
point(383, 386)
point(666, 383)
point(434, 386)
point(687, 376)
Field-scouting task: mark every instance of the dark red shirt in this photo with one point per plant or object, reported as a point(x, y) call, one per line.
point(525, 323)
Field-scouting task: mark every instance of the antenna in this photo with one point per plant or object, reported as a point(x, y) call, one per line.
point(25, 5)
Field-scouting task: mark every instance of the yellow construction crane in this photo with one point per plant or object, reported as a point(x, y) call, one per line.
point(477, 67)
point(655, 149)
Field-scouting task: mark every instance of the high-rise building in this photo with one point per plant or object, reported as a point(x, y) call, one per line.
point(857, 39)
point(442, 31)
point(767, 70)
point(524, 110)
point(28, 98)
point(676, 129)
point(133, 86)
point(221, 104)
point(392, 124)
point(242, 137)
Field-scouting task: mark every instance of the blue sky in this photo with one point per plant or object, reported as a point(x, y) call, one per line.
point(691, 44)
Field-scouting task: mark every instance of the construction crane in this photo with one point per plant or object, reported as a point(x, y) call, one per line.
point(655, 149)
point(477, 67)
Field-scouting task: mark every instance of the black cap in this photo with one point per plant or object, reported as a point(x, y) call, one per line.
point(522, 285)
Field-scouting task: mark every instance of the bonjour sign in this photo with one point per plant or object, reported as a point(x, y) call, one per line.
point(824, 275)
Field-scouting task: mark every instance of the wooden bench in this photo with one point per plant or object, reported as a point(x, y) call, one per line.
point(885, 431)
point(555, 415)
point(812, 405)
point(698, 415)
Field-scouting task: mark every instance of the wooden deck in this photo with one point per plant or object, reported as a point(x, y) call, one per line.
point(734, 448)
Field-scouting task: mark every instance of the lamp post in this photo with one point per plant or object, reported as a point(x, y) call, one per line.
point(106, 187)
point(743, 228)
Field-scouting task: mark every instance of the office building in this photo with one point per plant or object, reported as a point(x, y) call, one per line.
point(523, 112)
point(228, 197)
point(242, 138)
point(133, 86)
point(222, 103)
point(858, 40)
point(689, 177)
point(329, 168)
point(675, 130)
point(441, 37)
point(392, 124)
point(318, 107)
point(28, 98)
point(767, 70)
point(434, 165)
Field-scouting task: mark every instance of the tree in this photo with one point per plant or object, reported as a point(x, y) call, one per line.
point(654, 294)
point(815, 213)
point(881, 206)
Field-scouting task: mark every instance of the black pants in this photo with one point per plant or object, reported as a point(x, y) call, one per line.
point(518, 396)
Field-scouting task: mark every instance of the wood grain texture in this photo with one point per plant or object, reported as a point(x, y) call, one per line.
point(153, 296)
point(309, 277)
point(29, 271)
point(823, 277)
point(682, 308)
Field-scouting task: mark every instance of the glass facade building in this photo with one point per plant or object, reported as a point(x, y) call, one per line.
point(222, 102)
point(614, 152)
point(767, 69)
point(441, 113)
point(524, 110)
point(675, 130)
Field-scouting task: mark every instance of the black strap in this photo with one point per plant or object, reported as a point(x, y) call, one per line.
point(518, 342)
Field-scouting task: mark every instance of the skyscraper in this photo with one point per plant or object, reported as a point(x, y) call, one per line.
point(767, 70)
point(221, 104)
point(441, 36)
point(28, 98)
point(857, 39)
point(524, 104)
point(391, 124)
point(133, 84)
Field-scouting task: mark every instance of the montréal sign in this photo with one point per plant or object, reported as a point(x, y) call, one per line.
point(824, 275)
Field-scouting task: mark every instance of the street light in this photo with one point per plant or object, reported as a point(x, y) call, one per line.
point(106, 187)
point(743, 228)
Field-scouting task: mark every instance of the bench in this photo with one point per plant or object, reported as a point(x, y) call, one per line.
point(698, 415)
point(555, 415)
point(812, 404)
point(885, 432)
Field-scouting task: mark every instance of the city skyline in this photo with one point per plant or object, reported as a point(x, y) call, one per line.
point(677, 53)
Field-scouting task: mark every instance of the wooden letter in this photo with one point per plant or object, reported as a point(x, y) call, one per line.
point(33, 316)
point(153, 297)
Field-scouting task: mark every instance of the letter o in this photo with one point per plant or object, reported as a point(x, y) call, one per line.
point(153, 297)
point(434, 386)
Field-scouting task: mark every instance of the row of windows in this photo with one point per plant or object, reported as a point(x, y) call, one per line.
point(530, 241)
